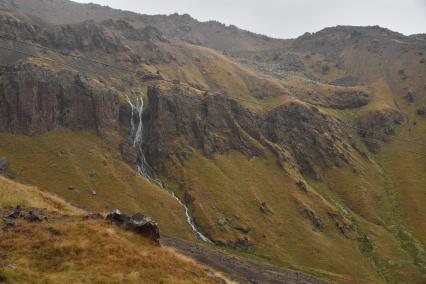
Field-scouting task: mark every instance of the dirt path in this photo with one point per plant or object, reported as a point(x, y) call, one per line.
point(237, 268)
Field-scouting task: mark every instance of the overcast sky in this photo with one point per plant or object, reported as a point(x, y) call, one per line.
point(289, 18)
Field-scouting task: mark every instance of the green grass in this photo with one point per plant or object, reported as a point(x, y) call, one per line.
point(233, 187)
point(63, 159)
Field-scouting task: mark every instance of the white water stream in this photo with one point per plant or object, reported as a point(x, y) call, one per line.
point(144, 169)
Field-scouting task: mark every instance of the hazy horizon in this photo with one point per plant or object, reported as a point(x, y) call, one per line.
point(289, 19)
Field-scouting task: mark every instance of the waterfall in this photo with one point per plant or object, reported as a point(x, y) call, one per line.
point(136, 136)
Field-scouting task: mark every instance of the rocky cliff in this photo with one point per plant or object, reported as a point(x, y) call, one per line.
point(37, 100)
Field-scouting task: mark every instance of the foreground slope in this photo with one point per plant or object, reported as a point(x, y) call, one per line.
point(68, 248)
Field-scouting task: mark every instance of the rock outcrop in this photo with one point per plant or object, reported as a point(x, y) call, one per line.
point(347, 100)
point(212, 124)
point(86, 36)
point(178, 121)
point(29, 215)
point(378, 126)
point(137, 223)
point(34, 100)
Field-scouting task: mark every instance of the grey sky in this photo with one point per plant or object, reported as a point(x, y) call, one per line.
point(289, 18)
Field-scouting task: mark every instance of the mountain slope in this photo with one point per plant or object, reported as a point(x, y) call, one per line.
point(303, 152)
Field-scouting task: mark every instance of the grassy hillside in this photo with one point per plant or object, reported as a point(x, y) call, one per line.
point(13, 194)
point(233, 189)
point(83, 169)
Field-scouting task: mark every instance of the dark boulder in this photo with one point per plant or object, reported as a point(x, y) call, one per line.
point(343, 225)
point(138, 223)
point(8, 223)
point(302, 185)
point(4, 165)
point(264, 208)
point(317, 224)
point(15, 213)
point(409, 96)
point(93, 216)
point(243, 229)
point(117, 217)
point(241, 244)
point(421, 111)
point(33, 216)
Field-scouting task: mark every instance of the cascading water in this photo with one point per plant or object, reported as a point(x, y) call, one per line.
point(136, 135)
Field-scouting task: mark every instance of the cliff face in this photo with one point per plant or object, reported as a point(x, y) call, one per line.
point(87, 36)
point(34, 101)
point(295, 132)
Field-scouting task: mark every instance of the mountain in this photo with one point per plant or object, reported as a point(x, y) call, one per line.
point(304, 153)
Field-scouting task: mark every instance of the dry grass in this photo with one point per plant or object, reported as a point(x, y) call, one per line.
point(13, 194)
point(91, 252)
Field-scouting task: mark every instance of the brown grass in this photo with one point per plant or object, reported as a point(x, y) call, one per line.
point(13, 194)
point(91, 252)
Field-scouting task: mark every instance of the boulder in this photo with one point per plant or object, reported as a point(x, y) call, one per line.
point(8, 223)
point(243, 229)
point(343, 225)
point(15, 213)
point(117, 217)
point(240, 244)
point(94, 216)
point(264, 208)
point(421, 111)
point(302, 185)
point(4, 165)
point(221, 222)
point(73, 189)
point(317, 224)
point(93, 174)
point(138, 223)
point(409, 96)
point(33, 216)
